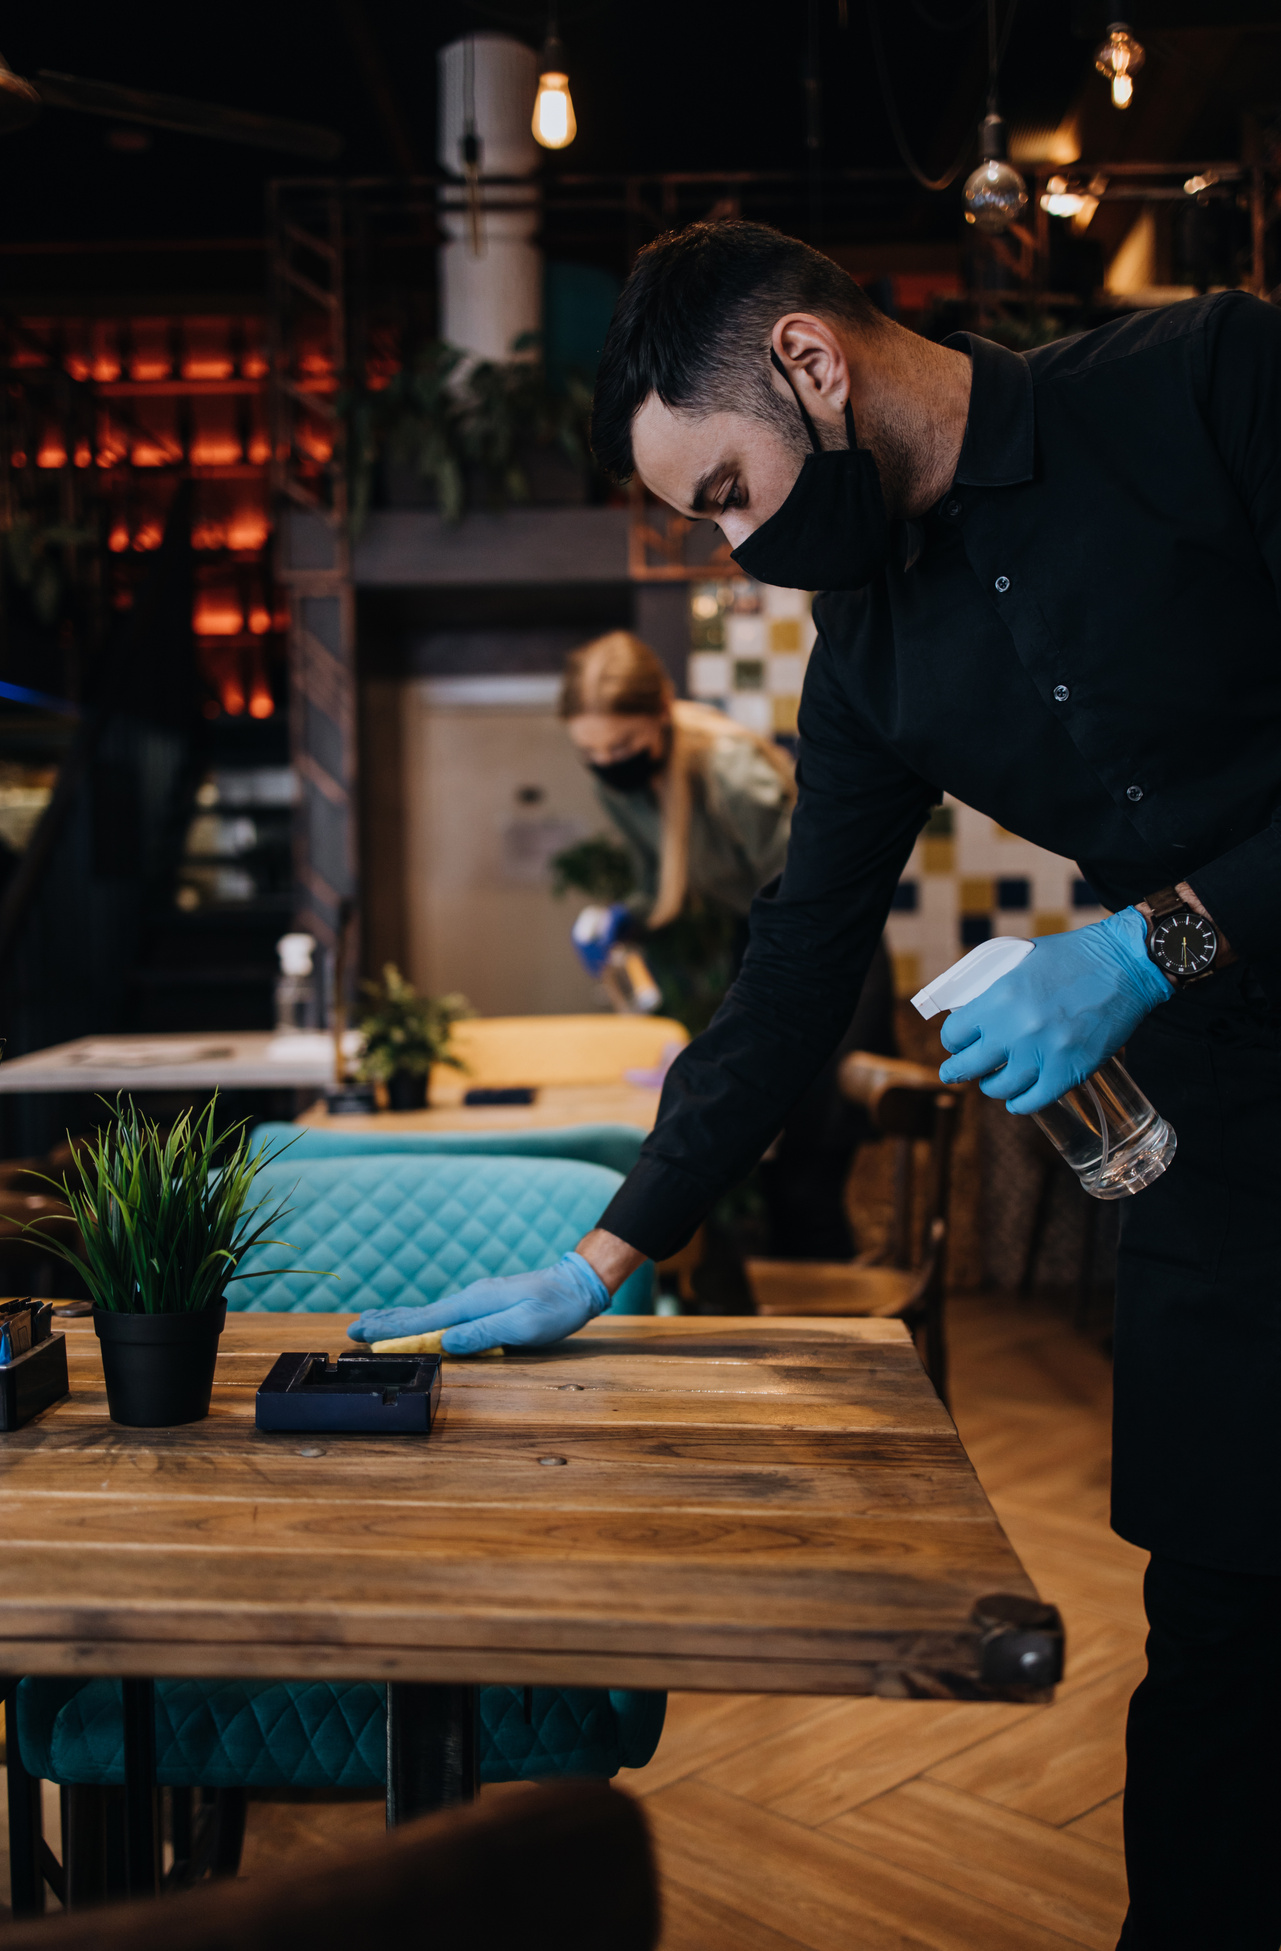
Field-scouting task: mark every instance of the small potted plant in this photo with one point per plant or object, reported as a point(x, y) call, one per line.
point(405, 1034)
point(164, 1220)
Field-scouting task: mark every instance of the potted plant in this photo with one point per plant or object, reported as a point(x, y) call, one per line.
point(405, 1034)
point(163, 1221)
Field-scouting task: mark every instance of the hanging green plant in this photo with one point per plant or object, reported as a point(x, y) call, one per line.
point(464, 427)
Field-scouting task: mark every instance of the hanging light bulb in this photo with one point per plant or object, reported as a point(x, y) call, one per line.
point(995, 194)
point(554, 125)
point(1118, 59)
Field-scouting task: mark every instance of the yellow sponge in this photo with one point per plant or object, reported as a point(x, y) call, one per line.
point(428, 1344)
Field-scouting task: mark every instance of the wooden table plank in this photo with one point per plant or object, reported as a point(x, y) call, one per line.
point(774, 1505)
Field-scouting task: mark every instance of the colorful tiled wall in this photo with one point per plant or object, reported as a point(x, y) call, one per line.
point(967, 878)
point(749, 645)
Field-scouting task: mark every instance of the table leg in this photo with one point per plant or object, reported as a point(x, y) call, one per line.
point(26, 1872)
point(142, 1824)
point(433, 1748)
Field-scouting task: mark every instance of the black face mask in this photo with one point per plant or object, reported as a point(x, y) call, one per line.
point(629, 775)
point(832, 532)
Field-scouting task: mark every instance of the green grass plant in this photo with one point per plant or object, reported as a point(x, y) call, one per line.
point(164, 1217)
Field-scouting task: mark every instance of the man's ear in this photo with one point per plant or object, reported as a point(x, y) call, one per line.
point(815, 361)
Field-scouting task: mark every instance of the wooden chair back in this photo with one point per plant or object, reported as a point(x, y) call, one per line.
point(502, 1051)
point(906, 1102)
point(559, 1868)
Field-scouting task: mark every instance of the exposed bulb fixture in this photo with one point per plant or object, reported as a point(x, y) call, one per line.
point(1078, 206)
point(995, 193)
point(1059, 201)
point(554, 124)
point(1118, 59)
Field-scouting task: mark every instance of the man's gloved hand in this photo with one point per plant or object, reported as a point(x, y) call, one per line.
point(1056, 1017)
point(596, 931)
point(519, 1310)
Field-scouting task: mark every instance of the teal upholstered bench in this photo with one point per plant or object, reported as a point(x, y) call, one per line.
point(396, 1228)
point(319, 1734)
point(404, 1227)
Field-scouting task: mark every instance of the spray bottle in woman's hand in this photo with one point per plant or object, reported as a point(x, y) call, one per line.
point(599, 937)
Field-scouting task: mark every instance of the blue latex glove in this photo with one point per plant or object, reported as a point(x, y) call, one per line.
point(596, 931)
point(512, 1310)
point(1055, 1018)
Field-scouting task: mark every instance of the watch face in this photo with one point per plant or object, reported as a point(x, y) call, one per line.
point(1184, 944)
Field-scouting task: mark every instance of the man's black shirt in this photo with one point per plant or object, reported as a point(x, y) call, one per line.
point(1082, 640)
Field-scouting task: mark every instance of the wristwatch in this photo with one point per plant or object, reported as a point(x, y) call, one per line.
point(1183, 944)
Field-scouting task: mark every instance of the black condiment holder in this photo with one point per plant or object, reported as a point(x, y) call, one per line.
point(380, 1394)
point(36, 1373)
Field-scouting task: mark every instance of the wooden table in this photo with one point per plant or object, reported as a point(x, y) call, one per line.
point(729, 1503)
point(555, 1106)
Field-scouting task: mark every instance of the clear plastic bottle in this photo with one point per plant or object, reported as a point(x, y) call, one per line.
point(1113, 1138)
point(297, 990)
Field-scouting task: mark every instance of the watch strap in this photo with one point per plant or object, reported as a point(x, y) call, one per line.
point(1165, 902)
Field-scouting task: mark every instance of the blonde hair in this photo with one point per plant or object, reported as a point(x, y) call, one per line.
point(619, 675)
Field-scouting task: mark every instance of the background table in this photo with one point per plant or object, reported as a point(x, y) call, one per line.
point(727, 1503)
point(554, 1105)
point(231, 1060)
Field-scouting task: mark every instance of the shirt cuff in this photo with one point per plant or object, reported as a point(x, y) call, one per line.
point(1241, 891)
point(658, 1208)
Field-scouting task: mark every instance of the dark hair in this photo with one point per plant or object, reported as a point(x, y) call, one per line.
point(693, 326)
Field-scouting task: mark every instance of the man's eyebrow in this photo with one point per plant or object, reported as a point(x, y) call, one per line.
point(698, 499)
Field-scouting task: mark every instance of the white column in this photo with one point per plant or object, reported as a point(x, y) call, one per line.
point(491, 273)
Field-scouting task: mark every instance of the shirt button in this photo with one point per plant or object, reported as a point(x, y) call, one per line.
point(1134, 792)
point(952, 507)
point(1061, 694)
point(1002, 584)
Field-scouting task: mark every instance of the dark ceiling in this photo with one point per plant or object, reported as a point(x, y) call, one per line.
point(671, 85)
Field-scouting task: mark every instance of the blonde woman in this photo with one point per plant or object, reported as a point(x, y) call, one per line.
point(704, 808)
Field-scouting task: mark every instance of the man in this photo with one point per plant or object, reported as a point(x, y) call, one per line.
point(1051, 587)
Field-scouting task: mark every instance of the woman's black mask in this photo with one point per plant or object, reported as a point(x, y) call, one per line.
point(832, 532)
point(629, 775)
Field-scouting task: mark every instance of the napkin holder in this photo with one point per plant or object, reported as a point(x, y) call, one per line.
point(36, 1372)
point(378, 1394)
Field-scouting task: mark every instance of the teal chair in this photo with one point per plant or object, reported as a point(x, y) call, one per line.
point(395, 1229)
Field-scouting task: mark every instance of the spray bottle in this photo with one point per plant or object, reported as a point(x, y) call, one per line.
point(1110, 1135)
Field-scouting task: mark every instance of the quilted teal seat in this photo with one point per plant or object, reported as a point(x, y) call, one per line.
point(402, 1228)
point(272, 1734)
point(615, 1146)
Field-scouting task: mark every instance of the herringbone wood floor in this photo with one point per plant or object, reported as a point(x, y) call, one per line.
point(810, 1824)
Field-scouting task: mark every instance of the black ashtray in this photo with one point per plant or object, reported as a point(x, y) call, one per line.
point(370, 1392)
point(351, 1101)
point(35, 1373)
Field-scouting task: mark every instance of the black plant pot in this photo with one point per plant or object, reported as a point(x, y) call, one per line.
point(407, 1090)
point(159, 1368)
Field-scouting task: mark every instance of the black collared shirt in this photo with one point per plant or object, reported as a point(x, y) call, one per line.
point(1086, 646)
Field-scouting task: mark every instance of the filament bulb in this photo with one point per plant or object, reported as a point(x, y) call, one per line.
point(995, 193)
point(554, 124)
point(1118, 59)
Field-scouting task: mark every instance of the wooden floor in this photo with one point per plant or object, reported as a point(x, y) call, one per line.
point(869, 1825)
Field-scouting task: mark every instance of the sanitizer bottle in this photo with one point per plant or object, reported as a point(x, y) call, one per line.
point(1110, 1135)
point(297, 991)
